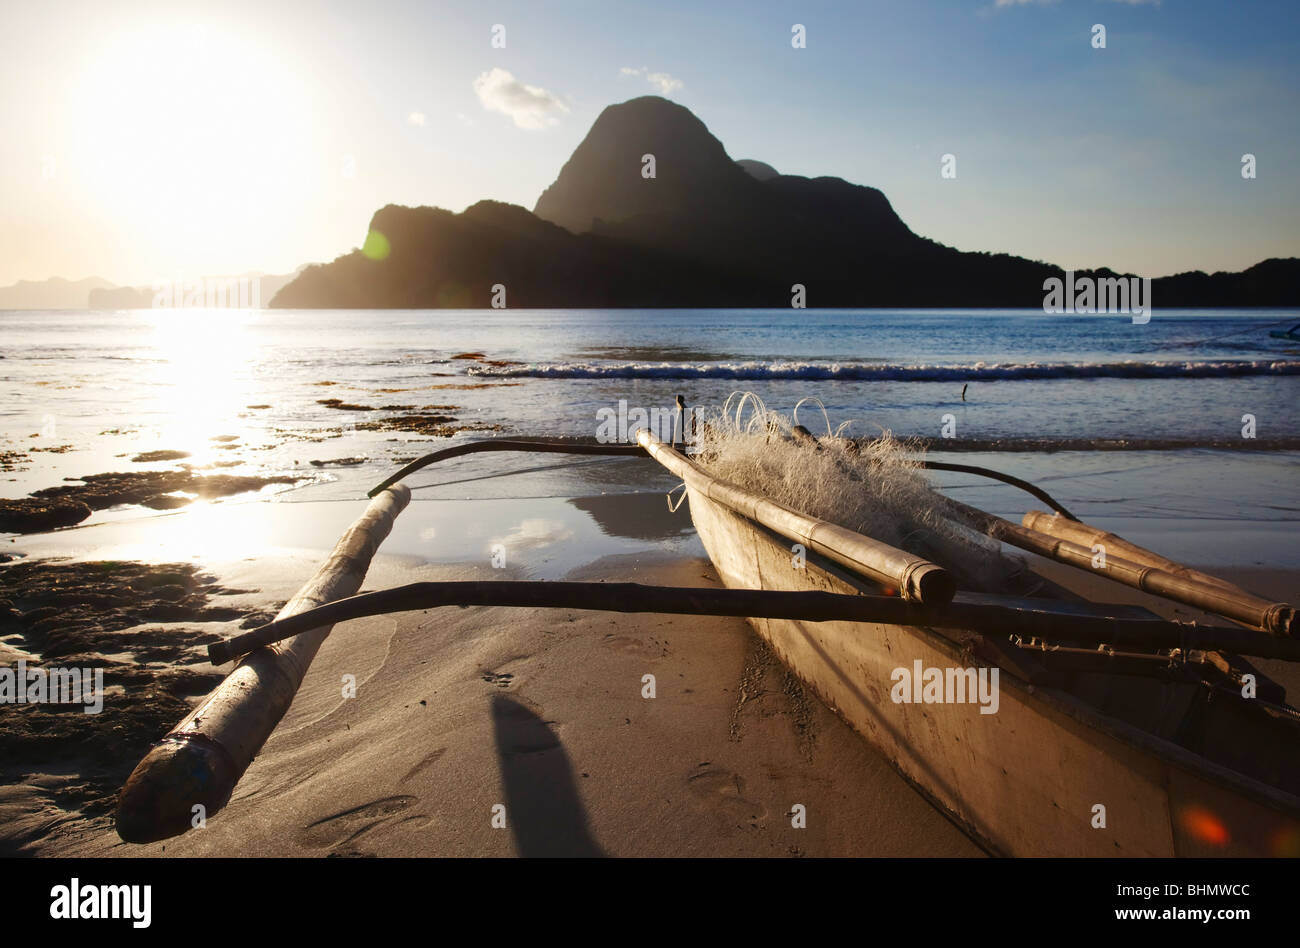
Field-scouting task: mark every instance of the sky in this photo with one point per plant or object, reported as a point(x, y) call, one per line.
point(144, 141)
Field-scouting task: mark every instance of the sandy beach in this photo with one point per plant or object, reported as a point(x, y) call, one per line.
point(459, 710)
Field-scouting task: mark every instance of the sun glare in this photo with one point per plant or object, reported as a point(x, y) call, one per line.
point(202, 374)
point(191, 129)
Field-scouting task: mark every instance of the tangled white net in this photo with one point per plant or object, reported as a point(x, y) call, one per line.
point(871, 485)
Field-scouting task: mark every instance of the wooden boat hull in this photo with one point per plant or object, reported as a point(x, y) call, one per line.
point(1026, 780)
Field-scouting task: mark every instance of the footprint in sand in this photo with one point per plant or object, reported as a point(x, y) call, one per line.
point(500, 679)
point(723, 793)
point(423, 765)
point(342, 829)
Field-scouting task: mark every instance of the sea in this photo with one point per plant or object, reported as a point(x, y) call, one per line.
point(1184, 429)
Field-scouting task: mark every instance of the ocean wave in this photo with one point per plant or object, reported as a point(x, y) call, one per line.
point(891, 372)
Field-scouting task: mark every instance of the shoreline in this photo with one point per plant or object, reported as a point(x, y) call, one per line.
point(555, 533)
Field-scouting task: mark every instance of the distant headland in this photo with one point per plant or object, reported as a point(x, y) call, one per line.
point(650, 211)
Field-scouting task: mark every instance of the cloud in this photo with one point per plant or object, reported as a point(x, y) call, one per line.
point(535, 533)
point(529, 106)
point(1138, 3)
point(665, 83)
point(415, 118)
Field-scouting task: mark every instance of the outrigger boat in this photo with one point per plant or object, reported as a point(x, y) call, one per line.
point(1116, 732)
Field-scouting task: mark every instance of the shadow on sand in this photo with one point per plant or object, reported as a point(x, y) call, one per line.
point(544, 810)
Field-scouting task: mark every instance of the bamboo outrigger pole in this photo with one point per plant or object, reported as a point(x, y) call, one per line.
point(199, 762)
point(1276, 618)
point(507, 444)
point(1104, 626)
point(1068, 540)
point(1076, 531)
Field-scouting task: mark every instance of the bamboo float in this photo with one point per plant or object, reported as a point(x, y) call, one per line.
point(1149, 575)
point(1076, 531)
point(1101, 626)
point(1134, 566)
point(916, 579)
point(202, 758)
point(1275, 618)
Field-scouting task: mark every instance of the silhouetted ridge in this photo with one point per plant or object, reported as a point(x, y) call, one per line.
point(703, 231)
point(603, 179)
point(757, 169)
point(704, 205)
point(437, 259)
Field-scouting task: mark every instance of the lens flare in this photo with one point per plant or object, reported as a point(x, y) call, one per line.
point(376, 246)
point(1204, 826)
point(1285, 842)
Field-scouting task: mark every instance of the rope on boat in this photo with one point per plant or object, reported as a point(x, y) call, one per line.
point(673, 508)
point(820, 404)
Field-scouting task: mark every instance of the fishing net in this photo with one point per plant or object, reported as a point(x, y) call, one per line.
point(873, 486)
